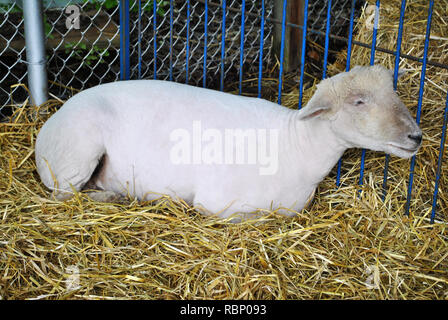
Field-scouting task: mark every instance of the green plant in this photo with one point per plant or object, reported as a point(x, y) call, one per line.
point(48, 27)
point(14, 8)
point(10, 8)
point(88, 56)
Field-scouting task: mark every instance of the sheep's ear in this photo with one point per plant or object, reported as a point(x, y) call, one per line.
point(314, 108)
point(321, 103)
point(401, 73)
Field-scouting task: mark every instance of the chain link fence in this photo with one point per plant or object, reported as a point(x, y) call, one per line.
point(12, 53)
point(172, 58)
point(84, 57)
point(340, 17)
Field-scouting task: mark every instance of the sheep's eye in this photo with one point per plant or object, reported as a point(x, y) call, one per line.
point(359, 102)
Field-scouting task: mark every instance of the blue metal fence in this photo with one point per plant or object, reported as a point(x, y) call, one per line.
point(260, 62)
point(347, 68)
point(125, 63)
point(282, 53)
point(223, 43)
point(420, 100)
point(397, 62)
point(124, 40)
point(372, 62)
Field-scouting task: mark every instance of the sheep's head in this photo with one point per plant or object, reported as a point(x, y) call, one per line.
point(365, 112)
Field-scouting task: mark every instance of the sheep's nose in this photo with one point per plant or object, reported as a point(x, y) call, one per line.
point(416, 137)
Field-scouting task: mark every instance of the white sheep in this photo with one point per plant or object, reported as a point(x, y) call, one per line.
point(220, 152)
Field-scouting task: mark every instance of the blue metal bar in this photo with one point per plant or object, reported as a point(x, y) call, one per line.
point(302, 53)
point(171, 40)
point(420, 100)
point(282, 52)
point(439, 162)
point(327, 39)
point(347, 68)
point(397, 64)
point(243, 16)
point(350, 37)
point(139, 39)
point(204, 70)
point(260, 65)
point(124, 40)
point(154, 29)
point(375, 32)
point(372, 62)
point(223, 44)
point(187, 62)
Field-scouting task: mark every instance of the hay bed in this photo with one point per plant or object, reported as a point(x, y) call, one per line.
point(344, 247)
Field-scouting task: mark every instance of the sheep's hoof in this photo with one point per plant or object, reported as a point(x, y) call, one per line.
point(105, 196)
point(62, 196)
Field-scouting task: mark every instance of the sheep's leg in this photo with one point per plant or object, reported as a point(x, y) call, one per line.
point(73, 176)
point(233, 210)
point(105, 196)
point(66, 161)
point(67, 181)
point(61, 195)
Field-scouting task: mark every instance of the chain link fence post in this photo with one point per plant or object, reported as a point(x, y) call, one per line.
point(35, 51)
